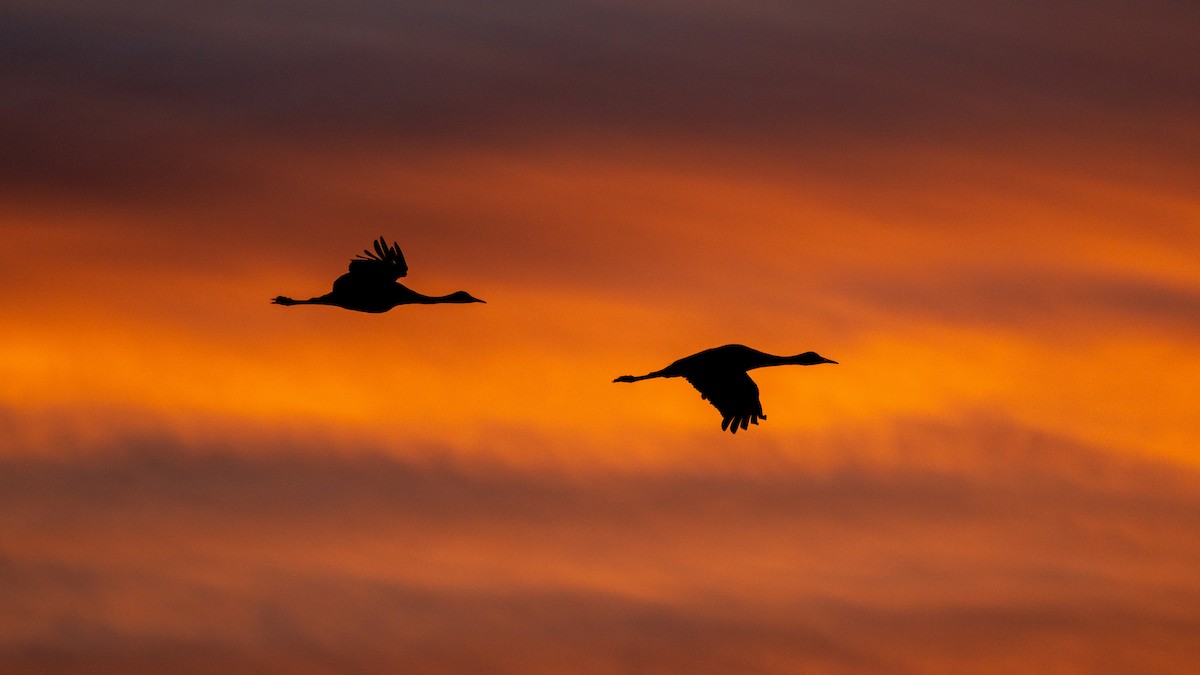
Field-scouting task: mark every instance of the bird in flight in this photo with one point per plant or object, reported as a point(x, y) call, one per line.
point(719, 374)
point(371, 286)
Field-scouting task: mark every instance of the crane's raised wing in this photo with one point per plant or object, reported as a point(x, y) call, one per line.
point(386, 262)
point(733, 394)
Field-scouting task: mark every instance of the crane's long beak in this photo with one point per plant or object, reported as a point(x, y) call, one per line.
point(829, 361)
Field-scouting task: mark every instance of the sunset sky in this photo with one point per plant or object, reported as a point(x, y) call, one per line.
point(987, 213)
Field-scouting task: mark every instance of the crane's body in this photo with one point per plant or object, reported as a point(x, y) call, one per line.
point(371, 286)
point(720, 375)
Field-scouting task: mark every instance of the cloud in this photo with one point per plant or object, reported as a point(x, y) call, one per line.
point(431, 64)
point(135, 92)
point(972, 546)
point(1044, 300)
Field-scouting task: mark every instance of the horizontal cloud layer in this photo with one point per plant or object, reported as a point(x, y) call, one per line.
point(138, 93)
point(1019, 552)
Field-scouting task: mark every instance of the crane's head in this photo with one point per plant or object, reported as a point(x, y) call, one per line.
point(810, 359)
point(463, 296)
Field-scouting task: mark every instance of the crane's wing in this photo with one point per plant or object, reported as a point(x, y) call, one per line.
point(733, 394)
point(385, 262)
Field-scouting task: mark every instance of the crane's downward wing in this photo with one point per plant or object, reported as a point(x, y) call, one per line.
point(733, 394)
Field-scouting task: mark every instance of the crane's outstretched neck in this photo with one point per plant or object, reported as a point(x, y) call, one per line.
point(456, 296)
point(762, 359)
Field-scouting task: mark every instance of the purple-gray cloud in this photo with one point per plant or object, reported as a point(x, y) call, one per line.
point(111, 94)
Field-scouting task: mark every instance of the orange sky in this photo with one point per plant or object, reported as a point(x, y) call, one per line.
point(987, 217)
point(1065, 315)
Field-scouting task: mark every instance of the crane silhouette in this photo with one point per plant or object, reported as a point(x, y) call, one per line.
point(720, 375)
point(371, 286)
